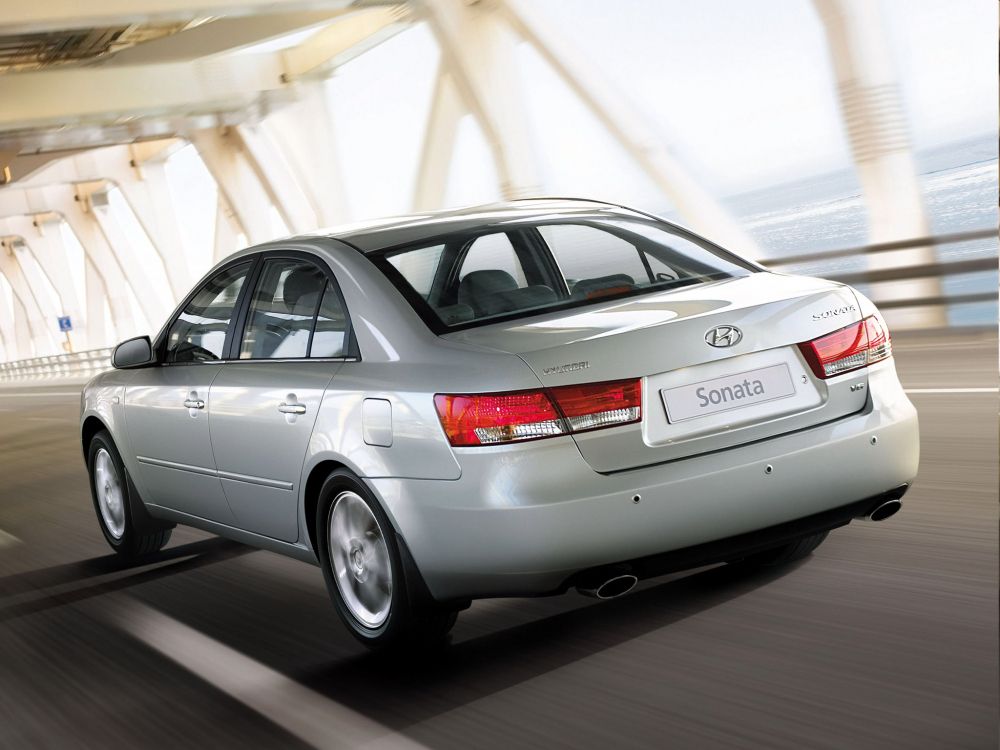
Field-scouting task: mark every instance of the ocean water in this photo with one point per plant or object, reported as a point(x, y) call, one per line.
point(959, 185)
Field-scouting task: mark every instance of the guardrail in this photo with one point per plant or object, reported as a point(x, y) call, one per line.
point(81, 364)
point(937, 269)
point(57, 366)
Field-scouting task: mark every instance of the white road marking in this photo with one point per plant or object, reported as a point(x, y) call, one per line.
point(952, 390)
point(311, 717)
point(8, 540)
point(50, 419)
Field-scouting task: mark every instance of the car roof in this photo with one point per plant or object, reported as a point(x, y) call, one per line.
point(378, 234)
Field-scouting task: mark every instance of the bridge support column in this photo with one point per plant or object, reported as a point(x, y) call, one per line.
point(478, 50)
point(40, 340)
point(222, 151)
point(872, 108)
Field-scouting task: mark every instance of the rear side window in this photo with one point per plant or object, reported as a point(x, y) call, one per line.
point(534, 267)
point(585, 252)
point(330, 335)
point(199, 332)
point(419, 267)
point(296, 312)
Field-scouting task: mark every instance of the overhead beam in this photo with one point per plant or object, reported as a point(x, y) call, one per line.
point(222, 35)
point(76, 96)
point(53, 15)
point(343, 40)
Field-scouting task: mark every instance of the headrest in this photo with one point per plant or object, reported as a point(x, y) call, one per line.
point(302, 281)
point(478, 284)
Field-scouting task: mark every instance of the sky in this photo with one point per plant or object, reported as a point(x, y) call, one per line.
point(742, 91)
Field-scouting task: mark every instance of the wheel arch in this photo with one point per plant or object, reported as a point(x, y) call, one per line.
point(310, 496)
point(91, 426)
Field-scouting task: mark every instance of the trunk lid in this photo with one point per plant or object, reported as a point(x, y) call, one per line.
point(696, 397)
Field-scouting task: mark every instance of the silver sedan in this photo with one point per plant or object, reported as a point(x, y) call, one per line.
point(500, 401)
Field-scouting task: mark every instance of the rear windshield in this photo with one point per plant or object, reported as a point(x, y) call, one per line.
point(466, 279)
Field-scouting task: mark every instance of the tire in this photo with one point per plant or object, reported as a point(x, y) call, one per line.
point(125, 526)
point(786, 553)
point(381, 601)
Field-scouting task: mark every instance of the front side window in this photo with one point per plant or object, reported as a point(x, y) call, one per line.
point(283, 310)
point(534, 267)
point(199, 332)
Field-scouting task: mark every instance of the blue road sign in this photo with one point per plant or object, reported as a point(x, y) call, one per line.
point(65, 324)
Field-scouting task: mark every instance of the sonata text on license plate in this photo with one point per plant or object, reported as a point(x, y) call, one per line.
point(728, 392)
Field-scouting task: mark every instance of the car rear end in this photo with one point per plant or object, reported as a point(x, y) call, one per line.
point(669, 429)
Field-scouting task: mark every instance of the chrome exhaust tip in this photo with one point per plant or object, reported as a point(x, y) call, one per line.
point(608, 585)
point(884, 510)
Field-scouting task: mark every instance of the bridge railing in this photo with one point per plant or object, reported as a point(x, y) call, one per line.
point(81, 365)
point(78, 365)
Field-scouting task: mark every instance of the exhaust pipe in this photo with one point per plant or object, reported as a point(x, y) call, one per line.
point(606, 583)
point(883, 510)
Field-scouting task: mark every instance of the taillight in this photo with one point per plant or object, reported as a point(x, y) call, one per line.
point(857, 345)
point(494, 418)
point(596, 405)
point(491, 418)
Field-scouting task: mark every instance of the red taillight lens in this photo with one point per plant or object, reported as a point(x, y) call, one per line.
point(493, 418)
point(596, 405)
point(857, 345)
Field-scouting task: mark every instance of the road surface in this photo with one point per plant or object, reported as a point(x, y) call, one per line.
point(885, 638)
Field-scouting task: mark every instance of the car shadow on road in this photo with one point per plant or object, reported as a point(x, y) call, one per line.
point(394, 689)
point(168, 562)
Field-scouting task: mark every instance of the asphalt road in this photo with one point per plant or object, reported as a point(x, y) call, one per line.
point(885, 638)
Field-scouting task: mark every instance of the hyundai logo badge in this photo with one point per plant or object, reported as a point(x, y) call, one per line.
point(721, 336)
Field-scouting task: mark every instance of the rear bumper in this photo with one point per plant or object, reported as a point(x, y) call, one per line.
point(524, 519)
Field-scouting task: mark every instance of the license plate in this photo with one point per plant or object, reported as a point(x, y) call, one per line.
point(728, 392)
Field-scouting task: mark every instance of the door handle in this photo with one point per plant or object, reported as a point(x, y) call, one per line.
point(194, 403)
point(291, 408)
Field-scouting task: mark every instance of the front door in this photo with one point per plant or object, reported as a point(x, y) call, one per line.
point(265, 403)
point(167, 407)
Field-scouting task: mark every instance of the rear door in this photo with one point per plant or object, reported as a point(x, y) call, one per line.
point(167, 407)
point(295, 336)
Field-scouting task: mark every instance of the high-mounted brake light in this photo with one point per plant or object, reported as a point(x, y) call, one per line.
point(495, 418)
point(853, 347)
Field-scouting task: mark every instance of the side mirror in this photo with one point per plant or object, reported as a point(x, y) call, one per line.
point(137, 352)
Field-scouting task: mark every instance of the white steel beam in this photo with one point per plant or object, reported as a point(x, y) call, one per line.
point(632, 130)
point(42, 340)
point(222, 34)
point(227, 230)
point(97, 296)
point(44, 239)
point(439, 143)
point(101, 258)
point(147, 283)
point(343, 40)
point(77, 96)
point(222, 151)
point(305, 133)
point(479, 51)
point(874, 117)
point(40, 287)
point(54, 15)
point(276, 177)
point(151, 200)
point(19, 330)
